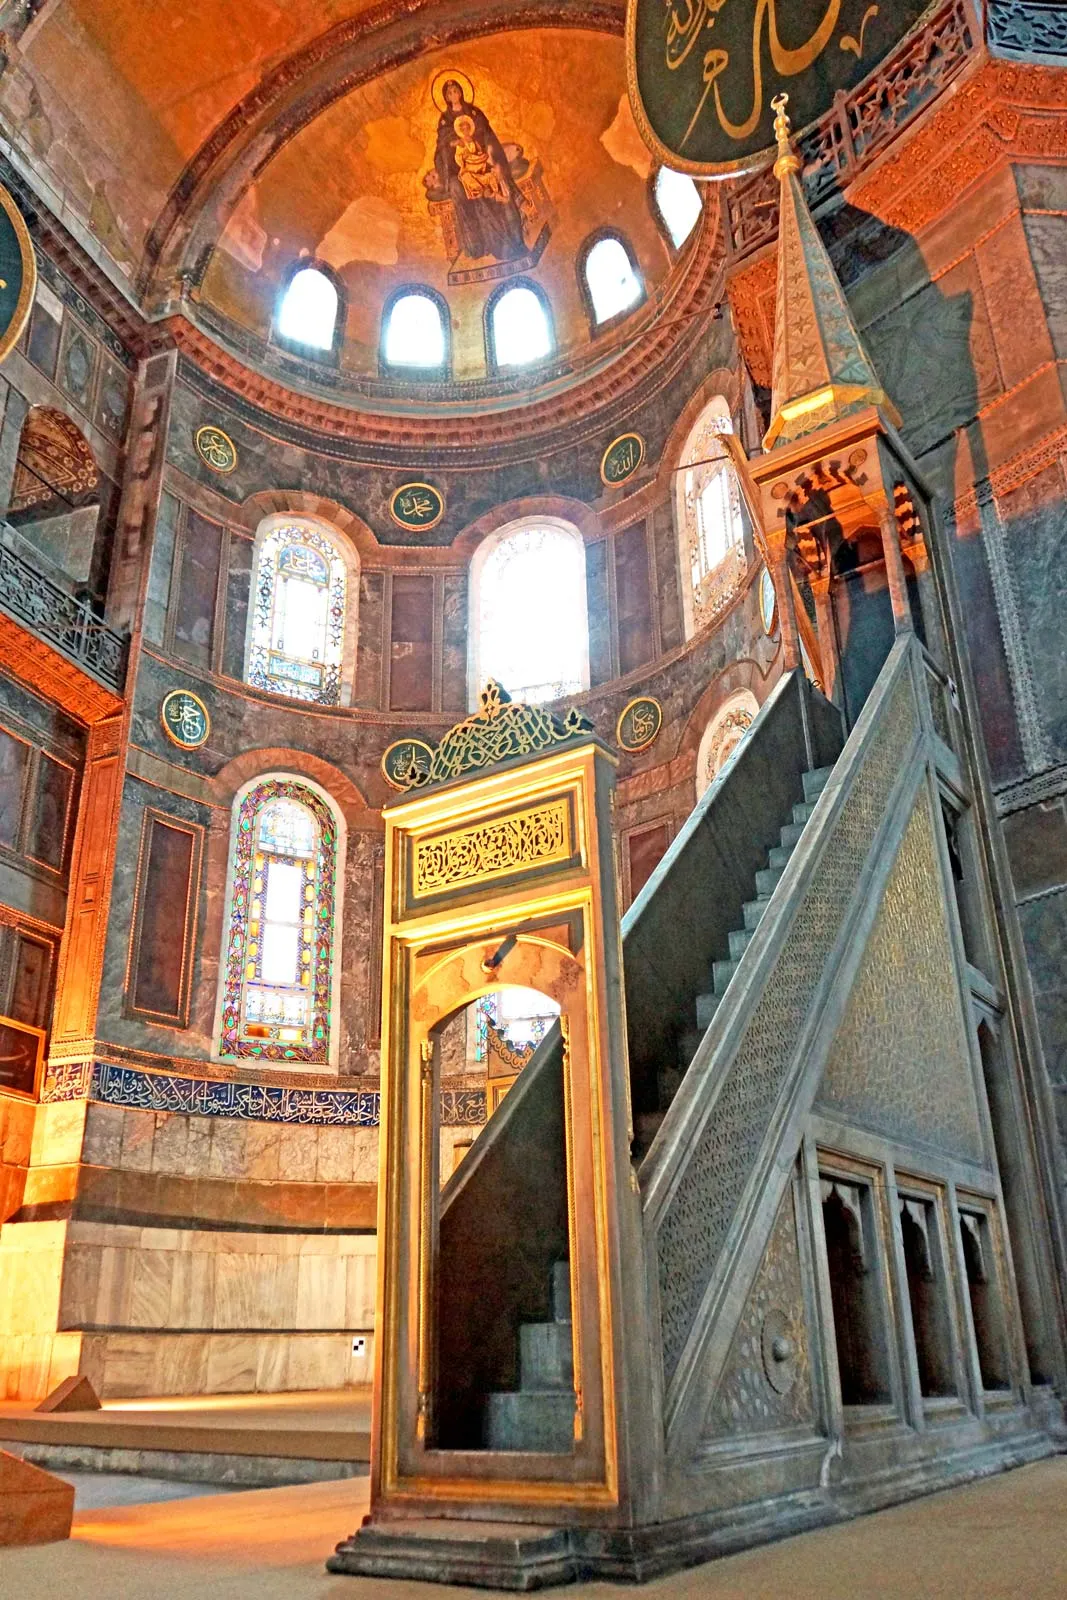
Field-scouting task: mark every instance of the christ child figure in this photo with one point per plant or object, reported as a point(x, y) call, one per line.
point(477, 172)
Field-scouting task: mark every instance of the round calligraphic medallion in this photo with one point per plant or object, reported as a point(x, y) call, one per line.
point(417, 506)
point(185, 719)
point(639, 724)
point(406, 761)
point(702, 78)
point(18, 274)
point(215, 448)
point(768, 602)
point(622, 458)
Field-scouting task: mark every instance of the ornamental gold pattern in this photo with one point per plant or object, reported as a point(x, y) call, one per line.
point(535, 837)
point(500, 730)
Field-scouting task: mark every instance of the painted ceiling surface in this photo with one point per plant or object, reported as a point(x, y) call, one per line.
point(110, 98)
point(371, 186)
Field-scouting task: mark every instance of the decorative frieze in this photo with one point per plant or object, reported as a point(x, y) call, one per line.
point(139, 1090)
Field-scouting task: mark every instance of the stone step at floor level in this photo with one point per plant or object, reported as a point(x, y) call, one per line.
point(539, 1415)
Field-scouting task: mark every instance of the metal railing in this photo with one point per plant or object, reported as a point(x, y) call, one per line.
point(61, 619)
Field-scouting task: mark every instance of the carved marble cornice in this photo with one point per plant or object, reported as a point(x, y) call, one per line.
point(641, 366)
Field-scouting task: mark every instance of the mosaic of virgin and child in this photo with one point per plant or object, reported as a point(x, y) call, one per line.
point(481, 177)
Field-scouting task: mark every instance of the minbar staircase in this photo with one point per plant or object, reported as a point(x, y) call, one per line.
point(647, 1123)
point(503, 1220)
point(539, 1415)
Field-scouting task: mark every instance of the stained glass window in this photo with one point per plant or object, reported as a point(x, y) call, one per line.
point(613, 284)
point(532, 624)
point(308, 310)
point(521, 1016)
point(278, 960)
point(711, 531)
point(679, 203)
point(298, 615)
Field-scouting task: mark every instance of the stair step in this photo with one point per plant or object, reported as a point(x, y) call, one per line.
point(561, 1291)
point(546, 1357)
point(740, 939)
point(754, 910)
point(778, 855)
point(530, 1420)
point(767, 880)
point(722, 972)
point(815, 782)
point(707, 1005)
point(790, 834)
point(802, 810)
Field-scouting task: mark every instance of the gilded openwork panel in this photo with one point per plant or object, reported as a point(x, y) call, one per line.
point(537, 836)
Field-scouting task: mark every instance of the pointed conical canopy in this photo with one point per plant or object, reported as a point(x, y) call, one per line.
point(821, 368)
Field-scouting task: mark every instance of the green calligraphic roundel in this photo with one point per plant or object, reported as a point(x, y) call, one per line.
point(406, 761)
point(639, 724)
point(215, 448)
point(185, 719)
point(18, 274)
point(418, 506)
point(702, 73)
point(622, 458)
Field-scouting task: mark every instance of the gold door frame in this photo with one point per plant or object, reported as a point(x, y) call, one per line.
point(504, 880)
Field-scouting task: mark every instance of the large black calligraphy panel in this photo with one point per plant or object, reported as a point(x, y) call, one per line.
point(703, 73)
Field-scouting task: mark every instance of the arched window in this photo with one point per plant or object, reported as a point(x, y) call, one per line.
point(414, 332)
point(611, 278)
point(280, 953)
point(520, 328)
point(530, 625)
point(298, 616)
point(708, 510)
point(723, 736)
point(679, 204)
point(308, 310)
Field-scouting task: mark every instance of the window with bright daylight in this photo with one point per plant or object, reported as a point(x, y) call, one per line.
point(610, 277)
point(520, 328)
point(277, 964)
point(679, 202)
point(415, 332)
point(708, 508)
point(297, 616)
point(531, 628)
point(308, 311)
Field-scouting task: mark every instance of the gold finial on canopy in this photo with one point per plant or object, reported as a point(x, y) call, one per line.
point(788, 160)
point(822, 371)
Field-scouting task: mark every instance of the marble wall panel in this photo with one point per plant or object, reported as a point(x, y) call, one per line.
point(1035, 522)
point(1047, 238)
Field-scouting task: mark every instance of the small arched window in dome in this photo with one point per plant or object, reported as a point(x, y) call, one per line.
point(679, 203)
point(519, 328)
point(307, 314)
point(414, 332)
point(611, 279)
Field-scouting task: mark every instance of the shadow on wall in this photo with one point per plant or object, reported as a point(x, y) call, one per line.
point(933, 348)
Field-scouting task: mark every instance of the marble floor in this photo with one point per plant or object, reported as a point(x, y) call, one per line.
point(1000, 1538)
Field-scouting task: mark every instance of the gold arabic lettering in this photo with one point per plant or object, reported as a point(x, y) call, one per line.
point(682, 33)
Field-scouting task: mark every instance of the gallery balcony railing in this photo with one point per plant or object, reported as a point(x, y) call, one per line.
point(860, 125)
point(61, 619)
